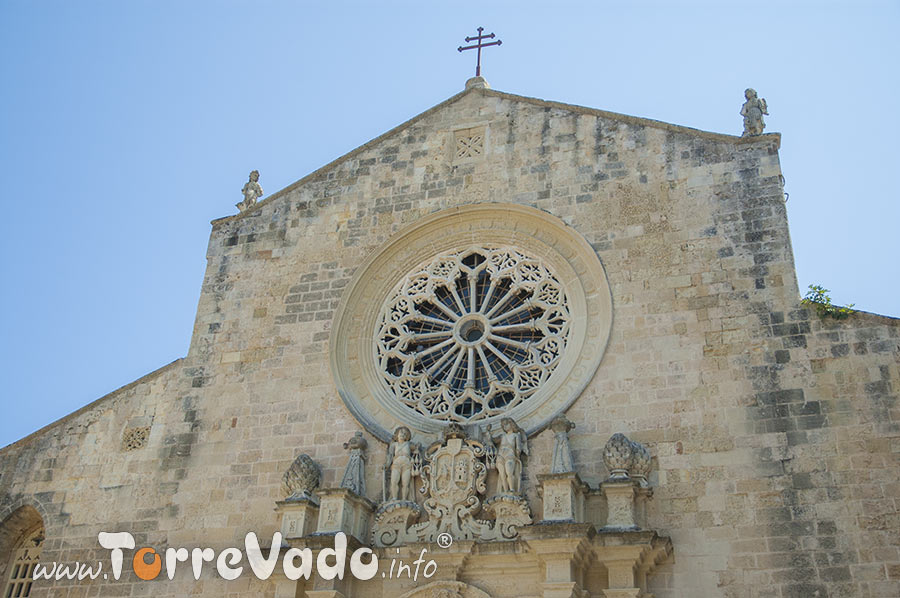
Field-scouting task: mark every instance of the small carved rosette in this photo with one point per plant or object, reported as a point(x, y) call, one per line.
point(301, 478)
point(618, 455)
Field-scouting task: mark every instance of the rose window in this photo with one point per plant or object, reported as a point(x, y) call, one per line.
point(472, 333)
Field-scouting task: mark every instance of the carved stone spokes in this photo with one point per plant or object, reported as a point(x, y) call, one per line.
point(472, 333)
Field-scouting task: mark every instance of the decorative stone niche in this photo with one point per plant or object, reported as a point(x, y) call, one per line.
point(469, 144)
point(134, 438)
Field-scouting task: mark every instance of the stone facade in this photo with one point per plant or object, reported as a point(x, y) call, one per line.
point(774, 434)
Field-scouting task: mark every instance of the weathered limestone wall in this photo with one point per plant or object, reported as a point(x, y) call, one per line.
point(79, 478)
point(774, 436)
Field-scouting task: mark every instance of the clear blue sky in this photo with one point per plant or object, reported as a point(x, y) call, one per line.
point(125, 127)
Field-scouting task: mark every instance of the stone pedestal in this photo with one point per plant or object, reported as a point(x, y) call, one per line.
point(628, 558)
point(342, 510)
point(620, 499)
point(571, 556)
point(563, 496)
point(299, 516)
point(509, 512)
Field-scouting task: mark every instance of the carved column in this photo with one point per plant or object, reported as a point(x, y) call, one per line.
point(562, 549)
point(627, 557)
point(559, 575)
point(621, 579)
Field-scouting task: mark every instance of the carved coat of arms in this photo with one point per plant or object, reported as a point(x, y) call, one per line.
point(452, 480)
point(453, 477)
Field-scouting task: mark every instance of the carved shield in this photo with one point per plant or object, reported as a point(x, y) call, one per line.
point(453, 477)
point(456, 471)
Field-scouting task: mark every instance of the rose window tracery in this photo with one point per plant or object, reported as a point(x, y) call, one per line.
point(472, 333)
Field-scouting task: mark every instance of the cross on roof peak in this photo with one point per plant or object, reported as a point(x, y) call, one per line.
point(479, 46)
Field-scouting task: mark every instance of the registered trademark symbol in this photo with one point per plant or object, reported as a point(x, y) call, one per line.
point(444, 540)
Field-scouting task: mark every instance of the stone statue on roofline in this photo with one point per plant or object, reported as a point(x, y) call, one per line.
point(252, 191)
point(752, 111)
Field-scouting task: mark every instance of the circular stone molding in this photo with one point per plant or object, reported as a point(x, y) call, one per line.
point(469, 315)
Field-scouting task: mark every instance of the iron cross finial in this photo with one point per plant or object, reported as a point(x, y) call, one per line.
point(479, 46)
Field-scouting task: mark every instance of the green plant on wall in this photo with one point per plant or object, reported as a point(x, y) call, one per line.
point(817, 297)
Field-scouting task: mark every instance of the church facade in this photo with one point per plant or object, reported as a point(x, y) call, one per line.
point(560, 350)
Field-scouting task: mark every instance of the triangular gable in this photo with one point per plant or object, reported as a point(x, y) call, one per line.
point(633, 120)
